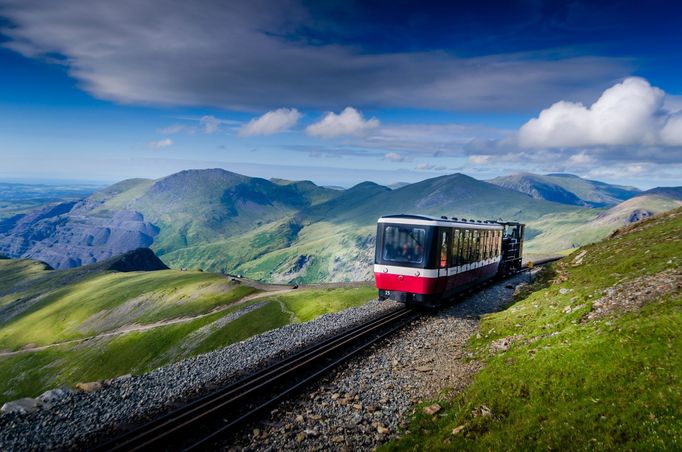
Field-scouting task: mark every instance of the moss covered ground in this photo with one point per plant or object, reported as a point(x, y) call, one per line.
point(568, 382)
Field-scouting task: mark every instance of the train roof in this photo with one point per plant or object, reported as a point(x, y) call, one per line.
point(443, 221)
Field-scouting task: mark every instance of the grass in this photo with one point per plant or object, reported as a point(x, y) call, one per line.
point(609, 383)
point(75, 304)
point(312, 303)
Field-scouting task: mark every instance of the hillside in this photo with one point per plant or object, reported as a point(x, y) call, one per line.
point(91, 323)
point(567, 189)
point(588, 357)
point(289, 231)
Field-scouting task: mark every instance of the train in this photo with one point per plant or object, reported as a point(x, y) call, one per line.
point(425, 260)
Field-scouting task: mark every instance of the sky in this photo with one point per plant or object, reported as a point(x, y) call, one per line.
point(341, 92)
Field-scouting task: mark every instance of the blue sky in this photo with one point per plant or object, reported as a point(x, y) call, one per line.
point(340, 92)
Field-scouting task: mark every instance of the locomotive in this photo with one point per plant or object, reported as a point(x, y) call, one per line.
point(426, 260)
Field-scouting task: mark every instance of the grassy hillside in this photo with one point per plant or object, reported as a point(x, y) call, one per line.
point(594, 361)
point(567, 189)
point(62, 327)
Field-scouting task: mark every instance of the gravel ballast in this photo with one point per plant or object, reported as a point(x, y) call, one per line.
point(367, 401)
point(77, 418)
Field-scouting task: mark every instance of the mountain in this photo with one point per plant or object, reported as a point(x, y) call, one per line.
point(289, 231)
point(567, 189)
point(184, 209)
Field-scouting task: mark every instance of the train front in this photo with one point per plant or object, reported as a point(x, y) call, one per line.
point(402, 262)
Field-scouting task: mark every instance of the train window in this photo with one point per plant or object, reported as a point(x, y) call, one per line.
point(404, 244)
point(464, 249)
point(485, 244)
point(476, 236)
point(455, 254)
point(443, 249)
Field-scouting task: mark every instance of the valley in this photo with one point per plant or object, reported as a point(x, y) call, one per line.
point(282, 231)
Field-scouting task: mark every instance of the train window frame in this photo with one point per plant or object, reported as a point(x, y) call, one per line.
point(444, 239)
point(409, 262)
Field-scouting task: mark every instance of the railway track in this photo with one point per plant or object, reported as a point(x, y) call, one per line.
point(200, 422)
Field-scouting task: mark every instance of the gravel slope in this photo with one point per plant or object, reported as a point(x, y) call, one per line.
point(366, 402)
point(69, 419)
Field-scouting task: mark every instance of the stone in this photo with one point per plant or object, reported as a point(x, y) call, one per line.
point(357, 406)
point(423, 368)
point(458, 429)
point(256, 432)
point(299, 419)
point(337, 439)
point(432, 409)
point(301, 437)
point(382, 430)
point(335, 396)
point(54, 395)
point(89, 387)
point(564, 291)
point(22, 406)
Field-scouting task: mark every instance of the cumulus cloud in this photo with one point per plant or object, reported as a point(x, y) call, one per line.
point(394, 157)
point(160, 144)
point(271, 122)
point(629, 113)
point(248, 55)
point(348, 122)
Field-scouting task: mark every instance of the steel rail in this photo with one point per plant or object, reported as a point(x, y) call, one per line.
point(158, 430)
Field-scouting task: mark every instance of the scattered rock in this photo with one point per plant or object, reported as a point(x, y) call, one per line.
point(432, 409)
point(423, 368)
point(54, 396)
point(21, 406)
point(564, 291)
point(89, 387)
point(458, 429)
point(578, 260)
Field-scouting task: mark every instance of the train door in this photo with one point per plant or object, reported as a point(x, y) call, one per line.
point(443, 258)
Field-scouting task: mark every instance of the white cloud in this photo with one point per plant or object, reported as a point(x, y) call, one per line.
point(629, 113)
point(348, 122)
point(581, 159)
point(272, 122)
point(429, 167)
point(394, 157)
point(172, 129)
point(211, 124)
point(672, 130)
point(480, 159)
point(160, 144)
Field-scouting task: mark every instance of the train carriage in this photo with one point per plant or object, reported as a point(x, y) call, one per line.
point(424, 260)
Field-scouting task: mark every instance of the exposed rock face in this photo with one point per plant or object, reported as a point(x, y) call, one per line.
point(69, 235)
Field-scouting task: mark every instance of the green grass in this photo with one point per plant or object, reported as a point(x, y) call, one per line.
point(311, 303)
point(106, 301)
point(610, 383)
point(84, 302)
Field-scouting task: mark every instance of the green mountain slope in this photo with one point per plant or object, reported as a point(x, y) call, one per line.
point(595, 356)
point(567, 189)
point(90, 323)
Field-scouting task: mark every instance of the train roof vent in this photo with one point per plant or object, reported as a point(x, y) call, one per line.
point(454, 218)
point(464, 219)
point(444, 217)
point(479, 221)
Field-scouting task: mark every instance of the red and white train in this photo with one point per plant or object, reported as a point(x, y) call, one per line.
point(427, 260)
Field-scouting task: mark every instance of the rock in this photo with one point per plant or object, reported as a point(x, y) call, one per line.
point(458, 429)
point(54, 395)
point(357, 406)
point(299, 419)
point(256, 432)
point(564, 291)
point(337, 439)
point(89, 387)
point(301, 437)
point(22, 406)
point(382, 430)
point(432, 409)
point(335, 396)
point(423, 368)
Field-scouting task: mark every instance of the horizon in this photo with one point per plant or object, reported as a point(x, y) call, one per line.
point(341, 93)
